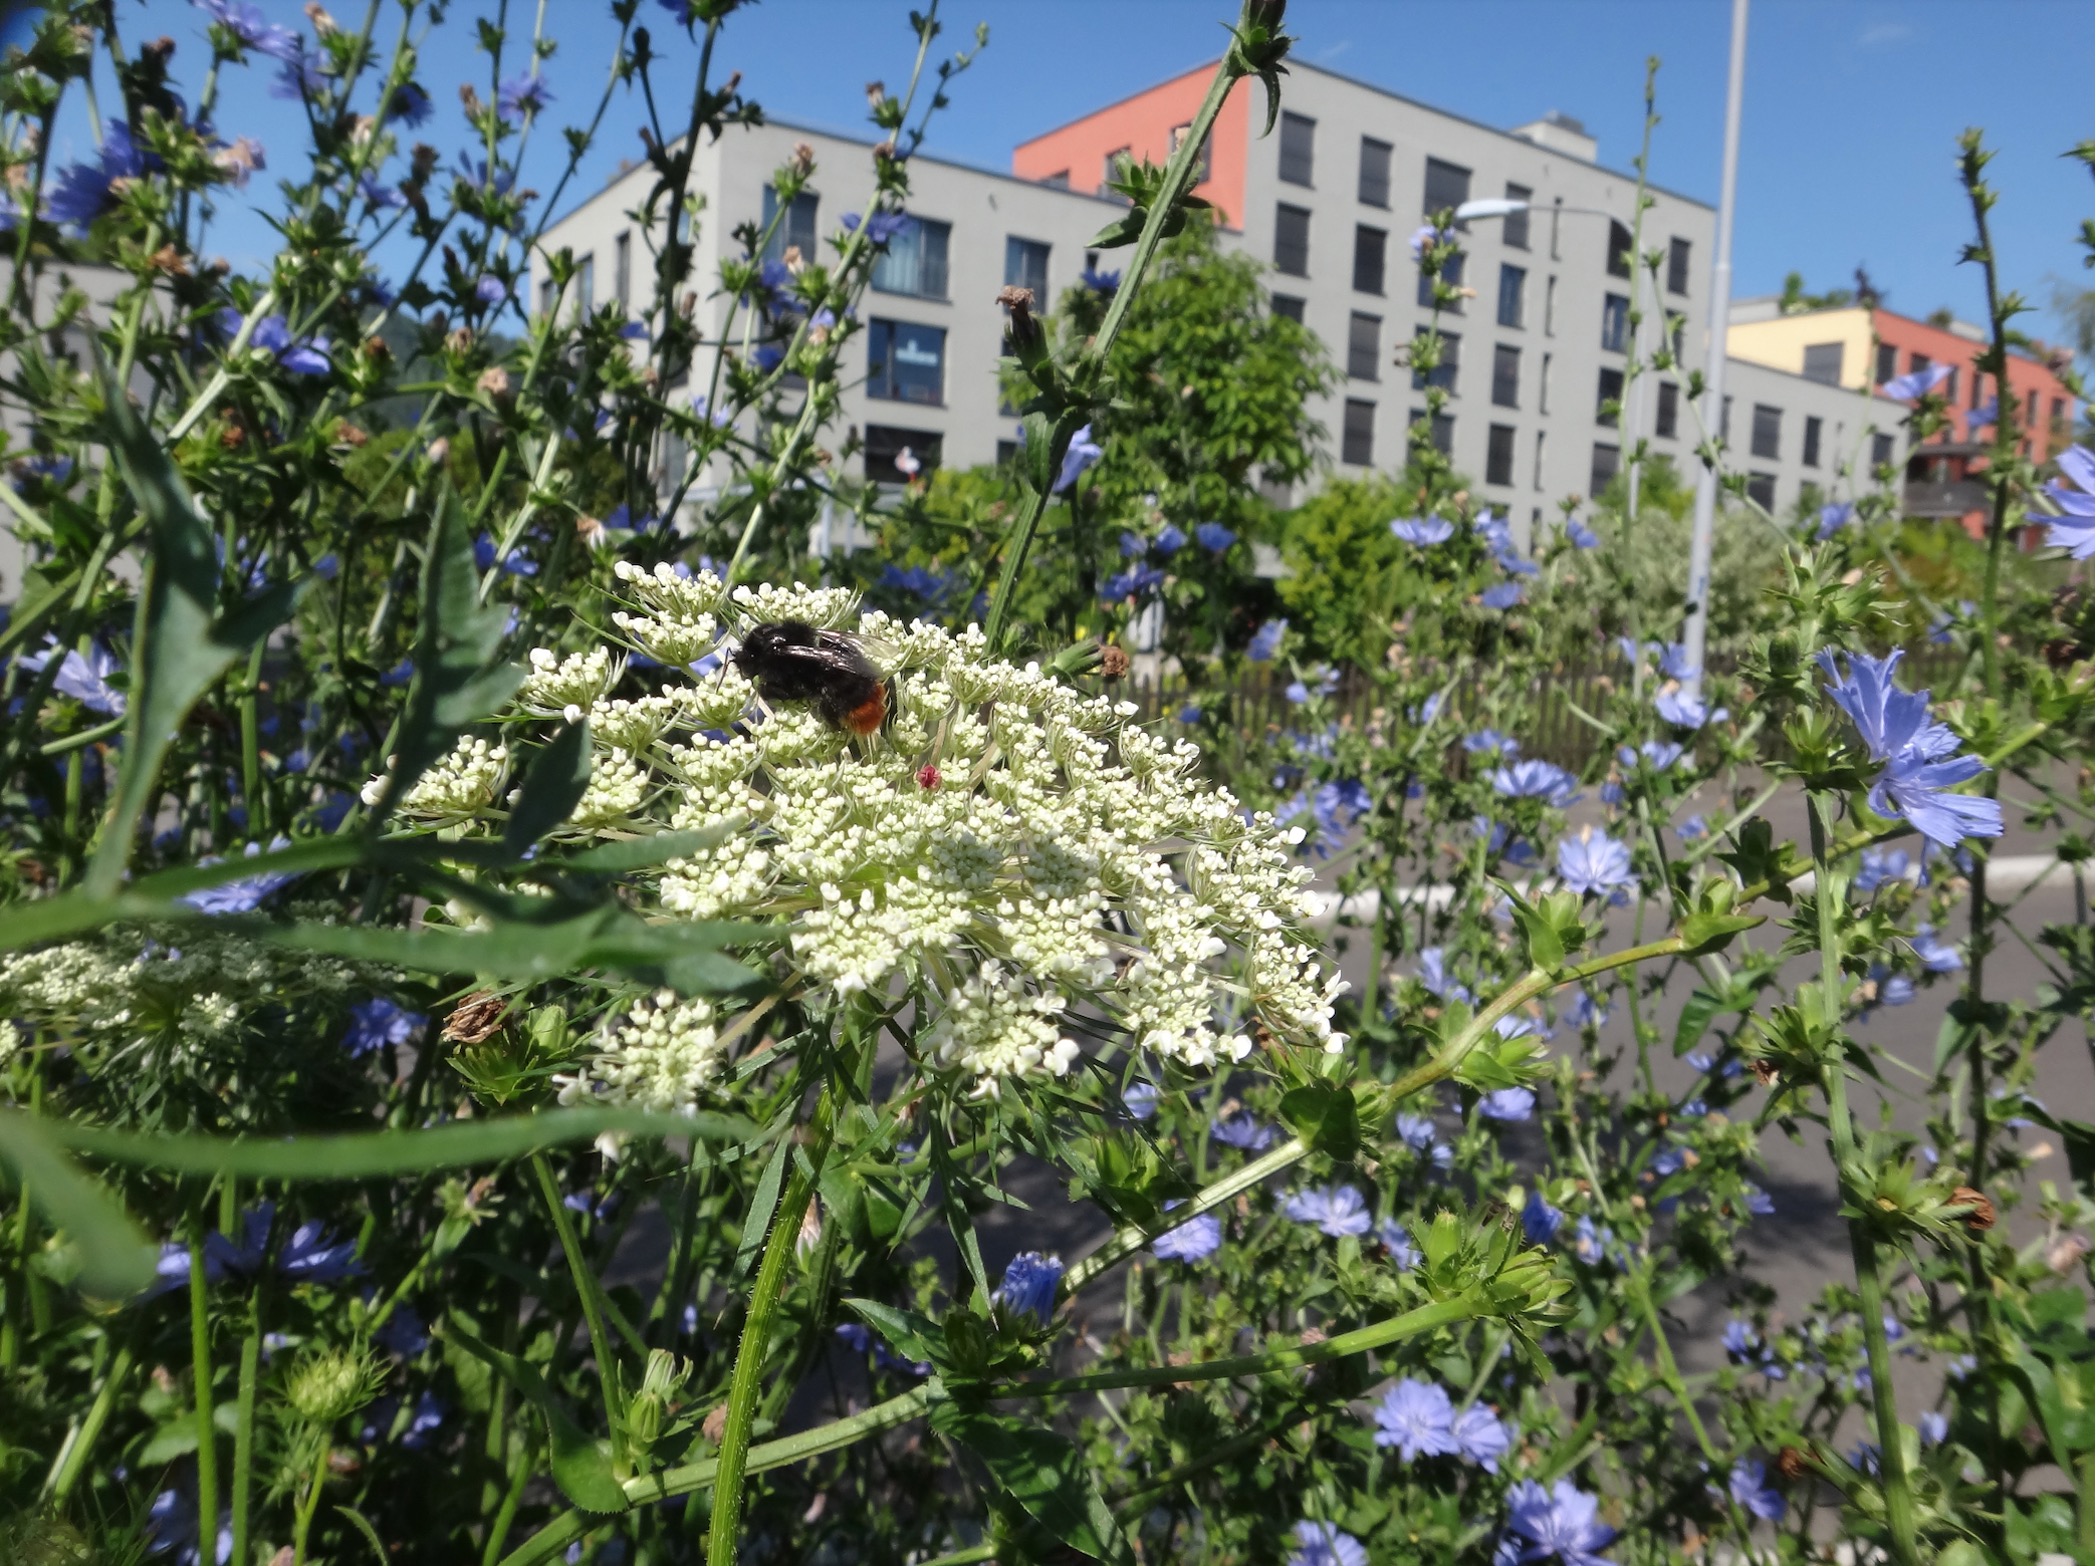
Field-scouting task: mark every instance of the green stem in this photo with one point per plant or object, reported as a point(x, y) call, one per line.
point(303, 1526)
point(200, 1373)
point(72, 1457)
point(601, 1341)
point(1178, 181)
point(244, 1425)
point(722, 1533)
point(1863, 1245)
point(498, 1530)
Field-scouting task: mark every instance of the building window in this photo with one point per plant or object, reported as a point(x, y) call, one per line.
point(1677, 326)
point(1542, 442)
point(1364, 347)
point(1888, 364)
point(1357, 441)
point(2030, 410)
point(1513, 233)
point(1761, 489)
point(1677, 266)
point(1444, 375)
point(1602, 469)
point(1204, 164)
point(885, 443)
point(1550, 306)
point(586, 286)
point(1452, 275)
point(905, 362)
point(1289, 306)
point(1007, 453)
point(1442, 432)
point(1374, 188)
point(1368, 259)
point(1619, 256)
point(1667, 421)
point(1447, 186)
point(1979, 383)
point(2059, 409)
point(1499, 455)
point(1298, 137)
point(1513, 283)
point(1557, 211)
point(1766, 440)
point(1110, 168)
point(1543, 387)
point(1026, 266)
point(798, 229)
point(1823, 363)
point(1810, 455)
point(1506, 378)
point(1950, 388)
point(1608, 397)
point(1615, 323)
point(915, 260)
point(1880, 450)
point(1917, 362)
point(622, 267)
point(1292, 240)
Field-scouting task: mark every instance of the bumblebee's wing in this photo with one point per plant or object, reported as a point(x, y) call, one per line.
point(846, 653)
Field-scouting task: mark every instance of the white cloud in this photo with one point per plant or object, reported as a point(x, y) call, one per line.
point(1879, 35)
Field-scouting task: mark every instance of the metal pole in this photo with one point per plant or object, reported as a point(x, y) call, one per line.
point(1720, 313)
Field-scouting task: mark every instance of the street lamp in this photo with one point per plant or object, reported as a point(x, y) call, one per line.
point(1501, 207)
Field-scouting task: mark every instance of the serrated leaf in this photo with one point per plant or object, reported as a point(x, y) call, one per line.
point(1043, 1474)
point(644, 853)
point(1323, 1114)
point(912, 1336)
point(1702, 1008)
point(559, 777)
point(363, 1526)
point(1124, 230)
point(1703, 933)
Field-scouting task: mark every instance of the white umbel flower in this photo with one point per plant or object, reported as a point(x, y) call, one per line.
point(1008, 850)
point(660, 1056)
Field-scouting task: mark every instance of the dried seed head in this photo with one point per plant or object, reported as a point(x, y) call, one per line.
point(1981, 1217)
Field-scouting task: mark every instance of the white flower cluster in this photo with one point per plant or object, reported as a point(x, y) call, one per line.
point(108, 996)
point(1014, 849)
point(660, 1056)
point(462, 784)
point(568, 687)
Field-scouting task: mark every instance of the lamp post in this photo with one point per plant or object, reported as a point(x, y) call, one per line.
point(1634, 414)
point(1693, 632)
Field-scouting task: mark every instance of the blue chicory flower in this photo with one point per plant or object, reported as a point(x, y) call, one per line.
point(1657, 754)
point(1833, 518)
point(1300, 691)
point(1199, 1238)
point(1082, 454)
point(1481, 1437)
point(82, 192)
point(1239, 1130)
point(1936, 954)
point(490, 289)
point(1536, 779)
point(1759, 1202)
point(2074, 528)
point(515, 563)
point(1751, 1490)
point(299, 77)
point(1099, 282)
point(1170, 541)
point(1915, 383)
point(82, 676)
point(1589, 1243)
point(1918, 752)
point(171, 1529)
point(1684, 708)
point(1539, 1220)
point(1427, 235)
point(1490, 742)
point(1934, 1426)
point(1562, 1523)
point(1136, 582)
point(1337, 1210)
point(411, 105)
point(1507, 1104)
point(380, 1021)
point(523, 95)
point(1582, 536)
point(1140, 1100)
point(1501, 595)
point(1029, 1284)
point(1323, 1544)
point(250, 29)
point(1595, 864)
point(1433, 974)
point(882, 227)
point(1418, 1418)
point(1214, 536)
point(1266, 641)
point(1397, 1242)
point(244, 895)
point(1692, 829)
point(402, 1333)
point(1415, 1131)
point(1423, 531)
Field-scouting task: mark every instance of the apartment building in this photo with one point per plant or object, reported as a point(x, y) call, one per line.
point(1861, 347)
point(1538, 346)
point(922, 376)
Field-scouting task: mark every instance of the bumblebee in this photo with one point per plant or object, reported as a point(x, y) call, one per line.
point(789, 661)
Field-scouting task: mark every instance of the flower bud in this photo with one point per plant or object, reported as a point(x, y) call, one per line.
point(330, 1384)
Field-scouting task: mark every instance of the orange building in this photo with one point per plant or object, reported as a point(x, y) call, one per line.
point(1080, 156)
point(1856, 346)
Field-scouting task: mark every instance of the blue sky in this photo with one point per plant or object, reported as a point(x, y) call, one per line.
point(1853, 107)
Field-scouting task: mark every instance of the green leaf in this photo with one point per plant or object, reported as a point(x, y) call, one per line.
point(1124, 230)
point(363, 1526)
point(1323, 1114)
point(1713, 932)
point(912, 1336)
point(116, 1259)
point(581, 1465)
point(1546, 951)
point(1702, 1008)
point(365, 1155)
point(564, 938)
point(757, 1223)
point(1043, 1473)
point(180, 646)
point(644, 853)
point(554, 786)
